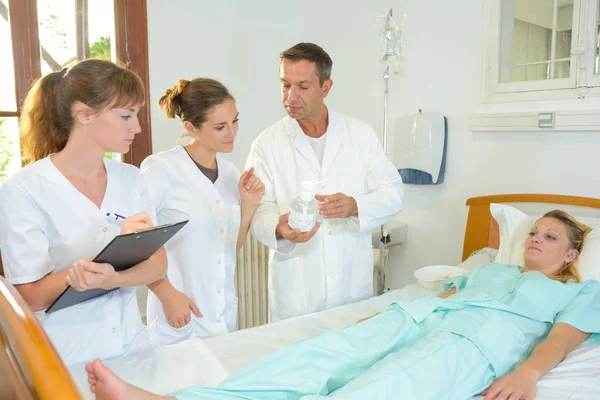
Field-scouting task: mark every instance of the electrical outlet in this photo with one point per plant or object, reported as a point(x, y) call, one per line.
point(397, 230)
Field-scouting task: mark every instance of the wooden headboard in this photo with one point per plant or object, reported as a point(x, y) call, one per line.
point(30, 368)
point(482, 229)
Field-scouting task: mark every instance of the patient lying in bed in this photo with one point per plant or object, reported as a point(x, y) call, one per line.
point(497, 330)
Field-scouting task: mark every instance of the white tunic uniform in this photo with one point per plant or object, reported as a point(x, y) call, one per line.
point(202, 256)
point(46, 225)
point(336, 266)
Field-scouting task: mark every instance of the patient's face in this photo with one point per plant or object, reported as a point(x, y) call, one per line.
point(548, 248)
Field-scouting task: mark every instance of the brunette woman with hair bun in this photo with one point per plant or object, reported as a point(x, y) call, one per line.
point(197, 298)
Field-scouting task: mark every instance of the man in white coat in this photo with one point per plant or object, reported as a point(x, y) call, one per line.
point(332, 264)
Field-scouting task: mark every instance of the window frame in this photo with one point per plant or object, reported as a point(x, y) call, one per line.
point(581, 82)
point(131, 26)
point(590, 40)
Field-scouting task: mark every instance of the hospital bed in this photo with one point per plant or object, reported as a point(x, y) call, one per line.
point(35, 371)
point(30, 368)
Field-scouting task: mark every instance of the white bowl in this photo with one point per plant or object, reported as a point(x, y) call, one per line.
point(433, 276)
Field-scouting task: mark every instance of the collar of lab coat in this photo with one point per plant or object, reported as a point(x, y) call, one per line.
point(333, 142)
point(225, 169)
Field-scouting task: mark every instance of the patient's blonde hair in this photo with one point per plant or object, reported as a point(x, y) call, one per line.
point(576, 232)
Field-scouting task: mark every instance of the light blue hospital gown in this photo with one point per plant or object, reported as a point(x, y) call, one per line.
point(429, 348)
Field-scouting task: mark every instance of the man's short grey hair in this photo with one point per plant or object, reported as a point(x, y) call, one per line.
point(310, 52)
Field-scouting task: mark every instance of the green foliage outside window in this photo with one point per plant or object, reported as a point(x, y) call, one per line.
point(6, 153)
point(99, 49)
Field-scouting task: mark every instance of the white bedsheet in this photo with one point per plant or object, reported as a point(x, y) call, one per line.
point(162, 370)
point(209, 361)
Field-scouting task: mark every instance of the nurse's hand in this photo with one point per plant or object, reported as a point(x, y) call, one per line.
point(337, 205)
point(136, 222)
point(515, 386)
point(284, 231)
point(177, 307)
point(85, 275)
point(251, 188)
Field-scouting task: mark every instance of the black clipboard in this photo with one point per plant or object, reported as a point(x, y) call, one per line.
point(123, 252)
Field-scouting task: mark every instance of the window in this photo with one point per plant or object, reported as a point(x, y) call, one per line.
point(51, 35)
point(9, 135)
point(541, 49)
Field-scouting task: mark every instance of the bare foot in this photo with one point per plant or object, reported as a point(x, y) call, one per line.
point(104, 383)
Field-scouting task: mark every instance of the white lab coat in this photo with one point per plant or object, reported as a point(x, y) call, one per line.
point(336, 266)
point(202, 256)
point(46, 225)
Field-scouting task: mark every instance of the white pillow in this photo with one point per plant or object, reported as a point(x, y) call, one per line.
point(589, 260)
point(515, 226)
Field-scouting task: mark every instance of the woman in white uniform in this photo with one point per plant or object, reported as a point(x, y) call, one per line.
point(197, 299)
point(59, 212)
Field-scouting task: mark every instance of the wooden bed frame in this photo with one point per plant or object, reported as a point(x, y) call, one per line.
point(31, 368)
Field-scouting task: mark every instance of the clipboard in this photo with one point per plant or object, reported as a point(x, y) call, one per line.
point(123, 252)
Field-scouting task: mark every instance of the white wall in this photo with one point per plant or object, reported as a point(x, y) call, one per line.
point(238, 42)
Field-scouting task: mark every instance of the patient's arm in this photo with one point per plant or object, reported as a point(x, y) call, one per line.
point(522, 382)
point(366, 318)
point(443, 296)
point(448, 293)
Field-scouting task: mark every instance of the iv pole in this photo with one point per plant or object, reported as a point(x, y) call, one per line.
point(385, 236)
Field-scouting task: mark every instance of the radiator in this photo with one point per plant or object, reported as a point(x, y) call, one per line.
point(252, 279)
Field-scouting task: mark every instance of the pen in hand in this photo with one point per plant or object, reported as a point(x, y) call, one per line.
point(115, 216)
